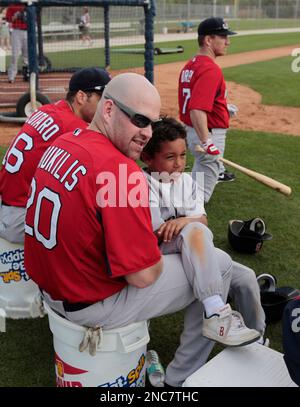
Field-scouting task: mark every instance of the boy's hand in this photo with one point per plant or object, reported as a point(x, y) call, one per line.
point(170, 229)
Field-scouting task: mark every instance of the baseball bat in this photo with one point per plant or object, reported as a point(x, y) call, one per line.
point(270, 182)
point(33, 91)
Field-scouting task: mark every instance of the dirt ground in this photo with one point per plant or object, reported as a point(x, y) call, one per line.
point(252, 114)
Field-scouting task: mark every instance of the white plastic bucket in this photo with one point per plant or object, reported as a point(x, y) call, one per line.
point(119, 360)
point(19, 295)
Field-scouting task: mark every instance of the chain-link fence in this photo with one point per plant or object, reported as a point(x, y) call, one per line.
point(184, 15)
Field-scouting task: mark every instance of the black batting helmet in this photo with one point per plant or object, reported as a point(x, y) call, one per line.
point(247, 236)
point(274, 299)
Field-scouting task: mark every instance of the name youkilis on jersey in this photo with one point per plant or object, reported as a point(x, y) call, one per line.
point(59, 163)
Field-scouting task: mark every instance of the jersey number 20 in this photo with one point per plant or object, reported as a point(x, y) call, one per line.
point(44, 195)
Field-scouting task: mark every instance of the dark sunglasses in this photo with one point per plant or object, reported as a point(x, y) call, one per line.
point(137, 119)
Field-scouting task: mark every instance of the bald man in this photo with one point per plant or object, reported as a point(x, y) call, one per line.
point(88, 206)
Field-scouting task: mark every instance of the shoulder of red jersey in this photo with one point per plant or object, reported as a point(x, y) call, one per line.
point(63, 114)
point(199, 65)
point(95, 143)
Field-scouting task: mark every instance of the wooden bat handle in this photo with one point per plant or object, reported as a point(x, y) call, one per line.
point(270, 182)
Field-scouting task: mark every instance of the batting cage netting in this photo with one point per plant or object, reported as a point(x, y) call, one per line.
point(66, 35)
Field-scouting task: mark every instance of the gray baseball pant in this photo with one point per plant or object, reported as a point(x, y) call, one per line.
point(244, 289)
point(18, 47)
point(195, 244)
point(206, 163)
point(176, 289)
point(12, 221)
point(245, 292)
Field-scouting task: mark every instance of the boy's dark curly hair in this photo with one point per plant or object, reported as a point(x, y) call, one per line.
point(167, 129)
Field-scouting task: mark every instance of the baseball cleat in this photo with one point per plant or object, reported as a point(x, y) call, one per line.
point(228, 328)
point(226, 177)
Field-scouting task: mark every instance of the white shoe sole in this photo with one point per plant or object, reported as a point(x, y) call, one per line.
point(225, 343)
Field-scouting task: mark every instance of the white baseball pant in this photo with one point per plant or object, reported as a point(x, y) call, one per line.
point(206, 163)
point(12, 223)
point(18, 47)
point(175, 290)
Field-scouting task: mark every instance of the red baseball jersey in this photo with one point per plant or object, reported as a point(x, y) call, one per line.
point(88, 221)
point(27, 148)
point(202, 87)
point(19, 12)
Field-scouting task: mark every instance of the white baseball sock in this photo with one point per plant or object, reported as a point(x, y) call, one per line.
point(212, 304)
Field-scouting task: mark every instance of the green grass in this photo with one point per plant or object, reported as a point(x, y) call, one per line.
point(26, 357)
point(274, 80)
point(90, 57)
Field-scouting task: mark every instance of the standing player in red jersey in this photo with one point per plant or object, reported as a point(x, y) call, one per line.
point(37, 134)
point(202, 102)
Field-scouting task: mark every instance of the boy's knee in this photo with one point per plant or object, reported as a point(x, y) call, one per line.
point(225, 263)
point(196, 230)
point(243, 278)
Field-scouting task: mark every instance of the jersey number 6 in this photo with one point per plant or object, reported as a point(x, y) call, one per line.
point(14, 157)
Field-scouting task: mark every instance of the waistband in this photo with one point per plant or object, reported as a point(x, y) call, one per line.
point(67, 306)
point(76, 306)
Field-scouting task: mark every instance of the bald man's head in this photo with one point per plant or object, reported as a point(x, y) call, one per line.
point(124, 114)
point(135, 91)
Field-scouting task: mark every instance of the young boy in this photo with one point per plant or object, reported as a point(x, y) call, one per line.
point(179, 222)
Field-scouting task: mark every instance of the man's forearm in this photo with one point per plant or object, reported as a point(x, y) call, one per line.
point(199, 121)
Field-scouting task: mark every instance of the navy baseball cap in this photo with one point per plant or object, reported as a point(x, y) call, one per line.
point(291, 338)
point(214, 25)
point(89, 79)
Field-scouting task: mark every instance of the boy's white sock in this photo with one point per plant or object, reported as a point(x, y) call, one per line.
point(212, 304)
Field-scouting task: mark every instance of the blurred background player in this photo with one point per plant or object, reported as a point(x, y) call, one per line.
point(4, 31)
point(36, 135)
point(84, 27)
point(202, 103)
point(16, 17)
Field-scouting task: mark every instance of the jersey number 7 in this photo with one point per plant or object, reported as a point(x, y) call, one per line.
point(186, 95)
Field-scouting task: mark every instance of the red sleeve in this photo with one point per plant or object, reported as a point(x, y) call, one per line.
point(9, 13)
point(205, 89)
point(130, 242)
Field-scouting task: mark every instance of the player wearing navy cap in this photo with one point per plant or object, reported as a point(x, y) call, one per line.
point(36, 135)
point(202, 102)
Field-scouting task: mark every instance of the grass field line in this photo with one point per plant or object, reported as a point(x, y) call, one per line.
point(228, 61)
point(193, 35)
point(249, 57)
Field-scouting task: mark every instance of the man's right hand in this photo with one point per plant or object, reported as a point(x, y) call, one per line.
point(209, 147)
